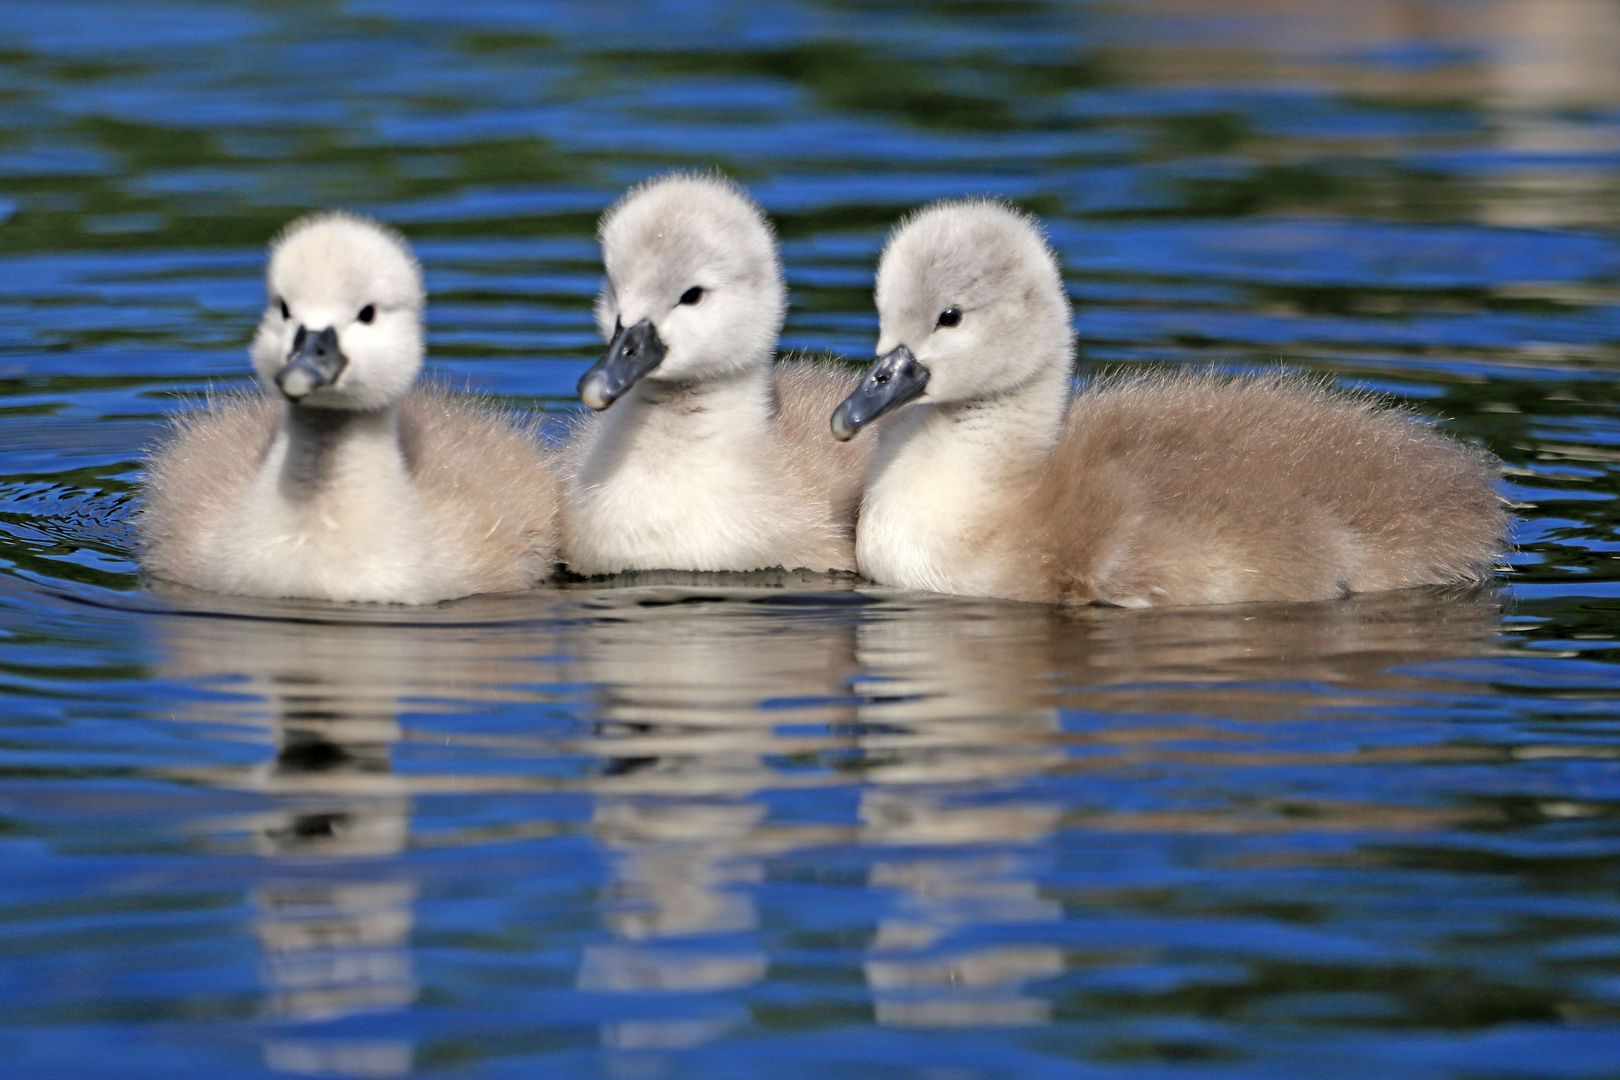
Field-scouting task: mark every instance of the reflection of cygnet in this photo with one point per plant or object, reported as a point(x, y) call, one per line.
point(358, 487)
point(1186, 490)
point(709, 456)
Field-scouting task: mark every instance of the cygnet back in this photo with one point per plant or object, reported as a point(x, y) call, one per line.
point(1210, 489)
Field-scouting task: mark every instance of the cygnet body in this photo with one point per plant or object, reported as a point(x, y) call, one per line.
point(998, 480)
point(341, 481)
point(709, 456)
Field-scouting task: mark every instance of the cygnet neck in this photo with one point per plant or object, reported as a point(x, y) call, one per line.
point(731, 406)
point(319, 442)
point(1021, 422)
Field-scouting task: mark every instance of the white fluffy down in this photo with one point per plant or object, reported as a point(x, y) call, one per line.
point(366, 490)
point(1000, 481)
point(702, 465)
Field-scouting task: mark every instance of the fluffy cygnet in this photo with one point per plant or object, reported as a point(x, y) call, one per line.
point(708, 456)
point(341, 482)
point(999, 481)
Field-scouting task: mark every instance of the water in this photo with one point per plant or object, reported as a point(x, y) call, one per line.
point(779, 824)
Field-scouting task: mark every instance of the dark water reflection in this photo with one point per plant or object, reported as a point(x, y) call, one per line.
point(734, 826)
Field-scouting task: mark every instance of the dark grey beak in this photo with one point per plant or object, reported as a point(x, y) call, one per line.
point(636, 351)
point(894, 379)
point(316, 361)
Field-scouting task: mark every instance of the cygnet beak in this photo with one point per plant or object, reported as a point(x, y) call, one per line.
point(894, 379)
point(636, 351)
point(316, 361)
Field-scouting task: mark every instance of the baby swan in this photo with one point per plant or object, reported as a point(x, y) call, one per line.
point(711, 457)
point(357, 487)
point(999, 481)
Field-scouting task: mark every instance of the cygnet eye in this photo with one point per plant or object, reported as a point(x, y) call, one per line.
point(367, 313)
point(950, 317)
point(692, 295)
point(286, 312)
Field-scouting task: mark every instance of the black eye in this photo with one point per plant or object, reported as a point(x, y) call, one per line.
point(950, 316)
point(367, 313)
point(692, 295)
point(286, 312)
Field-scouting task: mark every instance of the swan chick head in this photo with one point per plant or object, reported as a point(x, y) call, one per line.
point(693, 288)
point(970, 305)
point(342, 326)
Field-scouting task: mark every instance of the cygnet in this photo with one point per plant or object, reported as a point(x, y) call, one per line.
point(341, 481)
point(998, 480)
point(709, 456)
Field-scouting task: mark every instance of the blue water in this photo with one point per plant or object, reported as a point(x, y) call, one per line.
point(782, 825)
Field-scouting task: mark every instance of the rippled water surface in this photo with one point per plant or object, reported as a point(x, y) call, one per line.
point(781, 825)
